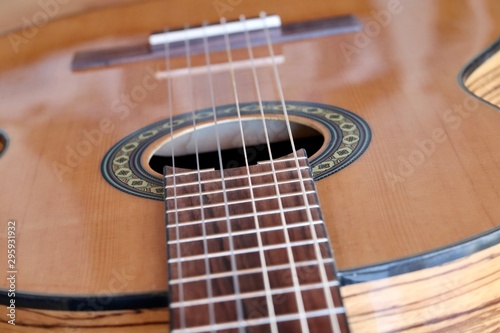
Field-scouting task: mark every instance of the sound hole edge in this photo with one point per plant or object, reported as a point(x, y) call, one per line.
point(126, 165)
point(233, 156)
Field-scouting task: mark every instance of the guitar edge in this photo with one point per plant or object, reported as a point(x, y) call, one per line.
point(414, 212)
point(461, 296)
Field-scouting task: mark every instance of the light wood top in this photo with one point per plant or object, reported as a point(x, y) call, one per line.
point(429, 177)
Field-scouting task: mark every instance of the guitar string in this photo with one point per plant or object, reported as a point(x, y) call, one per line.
point(294, 275)
point(328, 296)
point(239, 306)
point(174, 181)
point(211, 310)
point(218, 140)
point(265, 273)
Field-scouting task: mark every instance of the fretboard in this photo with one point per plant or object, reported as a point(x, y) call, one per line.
point(248, 251)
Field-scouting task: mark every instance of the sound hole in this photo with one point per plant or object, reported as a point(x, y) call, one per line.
point(232, 152)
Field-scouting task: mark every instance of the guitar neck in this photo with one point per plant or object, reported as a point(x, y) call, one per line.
point(248, 251)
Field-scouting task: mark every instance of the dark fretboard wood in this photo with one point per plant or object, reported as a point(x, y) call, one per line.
point(248, 251)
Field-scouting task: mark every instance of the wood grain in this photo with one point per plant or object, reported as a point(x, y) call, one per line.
point(484, 81)
point(17, 15)
point(76, 231)
point(463, 296)
point(377, 209)
point(43, 321)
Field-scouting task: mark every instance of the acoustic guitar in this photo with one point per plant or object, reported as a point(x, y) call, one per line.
point(328, 167)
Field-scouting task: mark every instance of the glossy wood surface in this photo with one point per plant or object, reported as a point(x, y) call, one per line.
point(77, 233)
point(484, 82)
point(461, 296)
point(18, 15)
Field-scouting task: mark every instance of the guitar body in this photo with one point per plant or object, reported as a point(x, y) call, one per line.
point(429, 179)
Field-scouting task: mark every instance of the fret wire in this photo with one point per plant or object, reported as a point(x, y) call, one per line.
point(248, 250)
point(286, 195)
point(260, 293)
point(193, 172)
point(236, 202)
point(240, 216)
point(284, 182)
point(239, 306)
point(264, 321)
point(328, 295)
point(254, 270)
point(239, 177)
point(211, 309)
point(244, 232)
point(282, 160)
